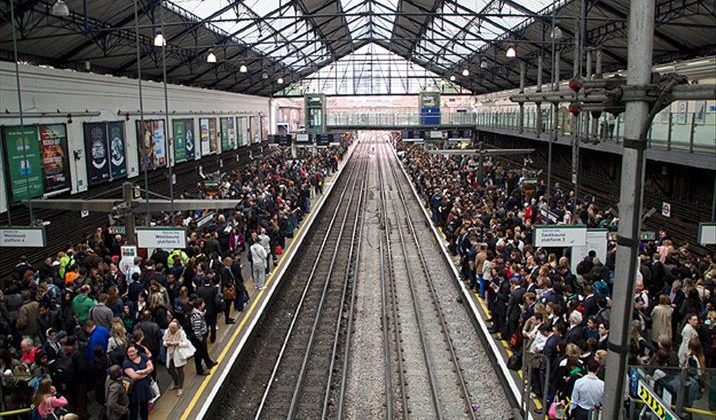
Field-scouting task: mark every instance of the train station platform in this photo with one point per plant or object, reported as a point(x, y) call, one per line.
point(231, 339)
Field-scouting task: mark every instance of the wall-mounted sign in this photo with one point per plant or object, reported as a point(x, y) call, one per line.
point(151, 144)
point(560, 236)
point(707, 233)
point(19, 237)
point(666, 209)
point(160, 237)
point(302, 138)
point(596, 241)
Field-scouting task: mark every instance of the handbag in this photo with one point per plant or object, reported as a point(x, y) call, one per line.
point(515, 362)
point(154, 388)
point(229, 293)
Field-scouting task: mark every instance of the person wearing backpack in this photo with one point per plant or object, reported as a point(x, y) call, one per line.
point(116, 394)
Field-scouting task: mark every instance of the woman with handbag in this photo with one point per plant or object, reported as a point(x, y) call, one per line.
point(228, 289)
point(179, 350)
point(47, 404)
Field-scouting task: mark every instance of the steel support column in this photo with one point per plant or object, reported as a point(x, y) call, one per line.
point(640, 51)
point(522, 105)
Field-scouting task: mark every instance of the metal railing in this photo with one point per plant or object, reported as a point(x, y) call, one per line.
point(694, 132)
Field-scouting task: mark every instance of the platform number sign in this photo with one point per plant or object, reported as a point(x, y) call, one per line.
point(666, 209)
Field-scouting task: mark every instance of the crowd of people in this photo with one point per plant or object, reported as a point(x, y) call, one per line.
point(538, 303)
point(80, 337)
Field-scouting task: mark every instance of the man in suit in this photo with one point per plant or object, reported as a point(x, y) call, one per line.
point(513, 307)
point(575, 331)
point(209, 293)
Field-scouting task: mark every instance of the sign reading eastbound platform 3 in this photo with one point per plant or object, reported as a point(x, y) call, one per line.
point(654, 403)
point(559, 235)
point(18, 237)
point(158, 237)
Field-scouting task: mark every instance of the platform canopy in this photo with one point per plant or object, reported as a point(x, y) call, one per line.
point(282, 42)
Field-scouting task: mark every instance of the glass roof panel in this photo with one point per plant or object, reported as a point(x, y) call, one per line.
point(371, 69)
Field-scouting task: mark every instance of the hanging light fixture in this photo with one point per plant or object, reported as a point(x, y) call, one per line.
point(279, 80)
point(556, 33)
point(159, 40)
point(243, 69)
point(264, 75)
point(483, 64)
point(511, 53)
point(452, 78)
point(60, 8)
point(211, 57)
point(466, 72)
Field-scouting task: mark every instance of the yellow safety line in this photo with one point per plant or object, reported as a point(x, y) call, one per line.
point(246, 317)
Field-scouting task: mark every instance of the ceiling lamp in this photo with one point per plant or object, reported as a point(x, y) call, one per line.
point(452, 78)
point(159, 40)
point(466, 72)
point(264, 75)
point(60, 9)
point(211, 57)
point(483, 64)
point(243, 69)
point(511, 53)
point(556, 33)
point(279, 80)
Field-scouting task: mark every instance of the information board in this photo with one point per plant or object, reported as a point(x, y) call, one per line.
point(22, 237)
point(151, 141)
point(160, 237)
point(707, 233)
point(302, 138)
point(560, 236)
point(204, 136)
point(596, 241)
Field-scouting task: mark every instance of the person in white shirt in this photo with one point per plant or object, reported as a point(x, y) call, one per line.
point(265, 241)
point(134, 269)
point(587, 394)
point(259, 258)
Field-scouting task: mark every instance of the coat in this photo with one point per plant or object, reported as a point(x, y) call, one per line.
point(116, 399)
point(27, 319)
point(178, 353)
point(661, 321)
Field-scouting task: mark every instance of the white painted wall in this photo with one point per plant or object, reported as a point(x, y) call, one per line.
point(48, 89)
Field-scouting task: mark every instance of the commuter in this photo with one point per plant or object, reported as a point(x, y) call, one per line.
point(179, 350)
point(115, 394)
point(199, 338)
point(259, 262)
point(138, 367)
point(47, 402)
point(587, 394)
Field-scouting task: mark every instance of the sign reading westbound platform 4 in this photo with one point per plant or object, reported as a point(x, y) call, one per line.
point(160, 237)
point(18, 237)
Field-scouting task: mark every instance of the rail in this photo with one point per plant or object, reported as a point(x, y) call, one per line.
point(354, 175)
point(444, 328)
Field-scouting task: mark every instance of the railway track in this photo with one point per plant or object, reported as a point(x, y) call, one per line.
point(285, 371)
point(365, 324)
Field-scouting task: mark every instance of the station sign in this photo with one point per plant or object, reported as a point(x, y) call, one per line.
point(161, 237)
point(707, 233)
point(654, 403)
point(302, 138)
point(560, 236)
point(22, 237)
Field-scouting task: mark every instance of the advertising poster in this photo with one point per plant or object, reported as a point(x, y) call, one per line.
point(117, 150)
point(253, 130)
point(189, 139)
point(243, 129)
point(24, 164)
point(96, 153)
point(53, 143)
point(204, 136)
point(224, 129)
point(160, 152)
point(263, 133)
point(151, 141)
point(231, 124)
point(178, 127)
point(213, 136)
